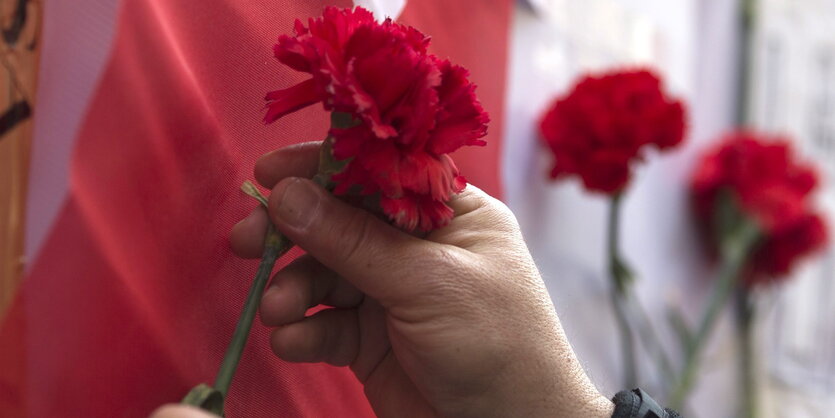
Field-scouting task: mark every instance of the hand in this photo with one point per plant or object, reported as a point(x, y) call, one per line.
point(180, 411)
point(455, 324)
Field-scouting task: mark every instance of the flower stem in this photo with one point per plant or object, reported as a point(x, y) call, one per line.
point(649, 337)
point(632, 318)
point(275, 245)
point(734, 251)
point(745, 311)
point(621, 278)
point(211, 398)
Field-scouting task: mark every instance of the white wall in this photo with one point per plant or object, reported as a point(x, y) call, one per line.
point(691, 43)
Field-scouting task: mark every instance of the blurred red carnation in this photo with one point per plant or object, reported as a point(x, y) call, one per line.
point(599, 128)
point(413, 109)
point(770, 185)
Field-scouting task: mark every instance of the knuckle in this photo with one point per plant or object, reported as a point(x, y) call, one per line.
point(489, 210)
point(499, 219)
point(502, 214)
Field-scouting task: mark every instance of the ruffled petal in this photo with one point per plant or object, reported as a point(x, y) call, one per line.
point(413, 109)
point(605, 123)
point(770, 186)
point(282, 102)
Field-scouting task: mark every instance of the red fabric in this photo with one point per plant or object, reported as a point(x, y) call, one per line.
point(135, 293)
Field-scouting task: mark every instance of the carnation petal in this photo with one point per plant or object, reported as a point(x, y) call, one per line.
point(282, 102)
point(605, 122)
point(413, 109)
point(414, 212)
point(296, 55)
point(461, 121)
point(772, 187)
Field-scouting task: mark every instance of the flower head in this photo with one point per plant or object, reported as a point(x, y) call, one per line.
point(770, 185)
point(412, 109)
point(603, 125)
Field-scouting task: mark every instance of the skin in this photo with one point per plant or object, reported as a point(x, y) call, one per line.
point(457, 323)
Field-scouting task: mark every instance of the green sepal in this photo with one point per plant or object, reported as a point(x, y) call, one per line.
point(251, 190)
point(328, 164)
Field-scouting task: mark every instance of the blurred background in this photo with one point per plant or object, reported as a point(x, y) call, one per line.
point(696, 45)
point(699, 46)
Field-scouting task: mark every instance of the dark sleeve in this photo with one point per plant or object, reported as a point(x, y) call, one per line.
point(638, 404)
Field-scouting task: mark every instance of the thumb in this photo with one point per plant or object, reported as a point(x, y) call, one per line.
point(180, 411)
point(364, 250)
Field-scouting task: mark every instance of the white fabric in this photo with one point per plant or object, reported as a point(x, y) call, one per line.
point(77, 36)
point(691, 42)
point(794, 92)
point(383, 8)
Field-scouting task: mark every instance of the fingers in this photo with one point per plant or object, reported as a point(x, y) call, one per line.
point(247, 238)
point(299, 160)
point(469, 200)
point(301, 285)
point(364, 250)
point(473, 202)
point(330, 336)
point(480, 223)
point(180, 411)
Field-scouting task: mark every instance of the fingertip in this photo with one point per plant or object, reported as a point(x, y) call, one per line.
point(330, 336)
point(247, 236)
point(294, 204)
point(264, 170)
point(286, 341)
point(180, 411)
point(298, 160)
point(282, 305)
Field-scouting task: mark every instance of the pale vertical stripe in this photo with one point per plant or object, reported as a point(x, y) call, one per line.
point(77, 37)
point(382, 8)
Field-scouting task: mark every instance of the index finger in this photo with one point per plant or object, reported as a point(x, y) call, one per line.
point(298, 160)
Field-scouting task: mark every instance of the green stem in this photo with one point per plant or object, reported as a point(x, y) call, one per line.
point(211, 398)
point(620, 282)
point(745, 314)
point(747, 15)
point(275, 246)
point(734, 252)
point(632, 318)
point(649, 337)
point(745, 323)
point(627, 340)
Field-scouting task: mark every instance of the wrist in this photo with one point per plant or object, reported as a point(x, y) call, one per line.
point(584, 401)
point(571, 394)
point(601, 407)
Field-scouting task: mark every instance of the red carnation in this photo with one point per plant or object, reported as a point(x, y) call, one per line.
point(412, 107)
point(605, 122)
point(770, 185)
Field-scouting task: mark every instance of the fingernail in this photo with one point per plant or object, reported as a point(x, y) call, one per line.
point(299, 204)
